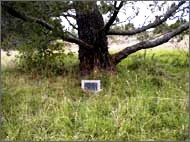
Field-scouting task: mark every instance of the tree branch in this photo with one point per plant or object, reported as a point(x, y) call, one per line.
point(64, 36)
point(26, 18)
point(76, 41)
point(148, 44)
point(74, 27)
point(69, 15)
point(112, 19)
point(151, 25)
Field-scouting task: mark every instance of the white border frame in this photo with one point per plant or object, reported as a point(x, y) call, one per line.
point(91, 81)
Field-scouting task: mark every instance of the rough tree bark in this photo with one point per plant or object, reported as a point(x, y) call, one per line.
point(90, 24)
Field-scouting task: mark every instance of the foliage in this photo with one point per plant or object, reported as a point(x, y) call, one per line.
point(176, 24)
point(161, 29)
point(23, 31)
point(146, 100)
point(129, 26)
point(143, 36)
point(105, 7)
point(46, 61)
point(42, 54)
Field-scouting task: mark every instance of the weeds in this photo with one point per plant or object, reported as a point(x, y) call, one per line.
point(146, 100)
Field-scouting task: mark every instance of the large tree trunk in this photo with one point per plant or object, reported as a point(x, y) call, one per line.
point(90, 24)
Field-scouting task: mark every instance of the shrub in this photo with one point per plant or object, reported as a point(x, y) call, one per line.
point(41, 55)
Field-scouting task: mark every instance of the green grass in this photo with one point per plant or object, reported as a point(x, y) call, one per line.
point(146, 100)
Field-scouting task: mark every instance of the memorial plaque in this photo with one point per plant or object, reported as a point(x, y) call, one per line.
point(91, 85)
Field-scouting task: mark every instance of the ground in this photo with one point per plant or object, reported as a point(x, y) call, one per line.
point(146, 100)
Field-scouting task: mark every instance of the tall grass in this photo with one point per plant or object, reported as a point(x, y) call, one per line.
point(146, 100)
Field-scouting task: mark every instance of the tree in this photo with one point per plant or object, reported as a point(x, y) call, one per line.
point(92, 30)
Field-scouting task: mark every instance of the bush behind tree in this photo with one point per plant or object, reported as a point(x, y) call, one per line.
point(42, 53)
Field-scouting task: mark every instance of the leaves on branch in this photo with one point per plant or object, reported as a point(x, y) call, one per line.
point(157, 22)
point(56, 30)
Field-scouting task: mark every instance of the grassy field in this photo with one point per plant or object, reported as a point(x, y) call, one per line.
point(146, 100)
